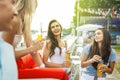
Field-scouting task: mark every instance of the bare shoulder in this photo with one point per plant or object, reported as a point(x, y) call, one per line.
point(48, 43)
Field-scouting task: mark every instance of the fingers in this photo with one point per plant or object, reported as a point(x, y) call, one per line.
point(66, 63)
point(68, 51)
point(41, 45)
point(38, 45)
point(103, 67)
point(96, 58)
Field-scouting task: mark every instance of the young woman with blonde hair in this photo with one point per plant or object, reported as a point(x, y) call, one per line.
point(22, 23)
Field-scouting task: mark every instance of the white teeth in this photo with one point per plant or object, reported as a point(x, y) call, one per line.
point(56, 31)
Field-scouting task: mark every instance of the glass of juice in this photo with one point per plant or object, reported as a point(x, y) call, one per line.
point(99, 70)
point(39, 37)
point(67, 58)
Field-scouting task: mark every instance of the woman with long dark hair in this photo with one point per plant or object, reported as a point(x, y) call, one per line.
point(55, 48)
point(99, 51)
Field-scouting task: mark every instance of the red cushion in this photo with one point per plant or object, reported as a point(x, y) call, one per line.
point(26, 62)
point(57, 73)
point(26, 69)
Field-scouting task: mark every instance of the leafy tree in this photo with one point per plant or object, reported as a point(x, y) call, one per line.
point(93, 4)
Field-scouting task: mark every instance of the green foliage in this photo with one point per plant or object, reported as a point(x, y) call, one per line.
point(67, 31)
point(93, 4)
point(117, 66)
point(117, 49)
point(96, 3)
point(34, 31)
point(75, 20)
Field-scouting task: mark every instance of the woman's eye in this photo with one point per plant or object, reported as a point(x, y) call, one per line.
point(98, 33)
point(57, 25)
point(52, 26)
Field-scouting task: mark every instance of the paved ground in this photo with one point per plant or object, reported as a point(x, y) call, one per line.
point(114, 76)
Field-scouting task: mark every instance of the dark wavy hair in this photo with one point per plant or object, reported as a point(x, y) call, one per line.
point(52, 38)
point(105, 48)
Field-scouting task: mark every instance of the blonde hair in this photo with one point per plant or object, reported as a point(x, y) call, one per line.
point(25, 8)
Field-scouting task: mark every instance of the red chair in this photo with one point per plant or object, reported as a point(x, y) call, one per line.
point(26, 70)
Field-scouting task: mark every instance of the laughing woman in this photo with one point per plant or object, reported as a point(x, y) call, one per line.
point(55, 48)
point(99, 51)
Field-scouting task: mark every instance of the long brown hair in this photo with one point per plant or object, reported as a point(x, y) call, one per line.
point(52, 38)
point(105, 48)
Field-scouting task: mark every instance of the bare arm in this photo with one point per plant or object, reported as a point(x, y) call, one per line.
point(21, 53)
point(9, 37)
point(33, 50)
point(85, 62)
point(108, 69)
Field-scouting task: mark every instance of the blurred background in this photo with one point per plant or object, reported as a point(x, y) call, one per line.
point(79, 19)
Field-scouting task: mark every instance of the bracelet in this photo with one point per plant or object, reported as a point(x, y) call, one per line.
point(42, 66)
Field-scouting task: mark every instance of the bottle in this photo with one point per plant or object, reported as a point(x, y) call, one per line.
point(99, 70)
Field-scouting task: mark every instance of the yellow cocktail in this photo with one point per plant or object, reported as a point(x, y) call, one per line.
point(99, 70)
point(67, 58)
point(39, 37)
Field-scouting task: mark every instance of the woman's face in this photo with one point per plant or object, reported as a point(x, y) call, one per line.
point(55, 28)
point(98, 36)
point(7, 13)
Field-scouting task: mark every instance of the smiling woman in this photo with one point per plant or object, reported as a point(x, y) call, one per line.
point(55, 48)
point(98, 51)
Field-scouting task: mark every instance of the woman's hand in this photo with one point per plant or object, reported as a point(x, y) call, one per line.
point(68, 51)
point(66, 64)
point(39, 44)
point(96, 58)
point(103, 67)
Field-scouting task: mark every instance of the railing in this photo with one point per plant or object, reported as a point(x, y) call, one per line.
point(76, 48)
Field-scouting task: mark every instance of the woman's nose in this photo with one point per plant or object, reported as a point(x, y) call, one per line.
point(15, 11)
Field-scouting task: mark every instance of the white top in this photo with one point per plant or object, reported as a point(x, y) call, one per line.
point(17, 40)
point(57, 57)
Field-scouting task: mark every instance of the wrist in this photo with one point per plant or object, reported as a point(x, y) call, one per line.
point(30, 49)
point(91, 61)
point(105, 69)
